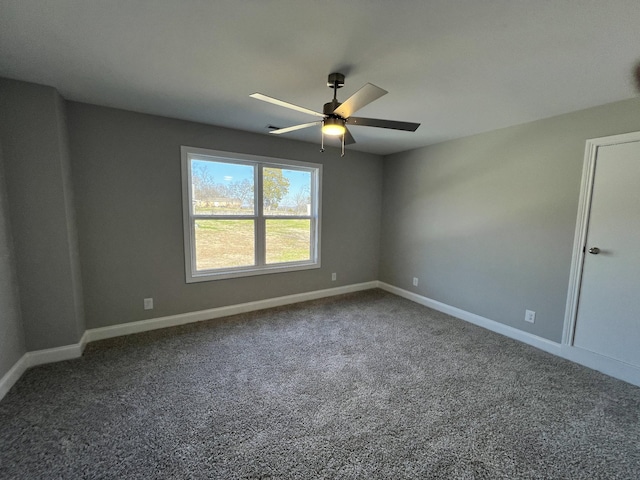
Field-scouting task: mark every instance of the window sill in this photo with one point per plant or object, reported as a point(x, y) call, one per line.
point(208, 276)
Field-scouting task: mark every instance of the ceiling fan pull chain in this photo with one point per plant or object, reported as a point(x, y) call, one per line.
point(321, 141)
point(342, 145)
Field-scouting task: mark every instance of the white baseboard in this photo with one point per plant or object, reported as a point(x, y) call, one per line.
point(190, 317)
point(605, 365)
point(40, 357)
point(501, 328)
point(608, 366)
point(13, 375)
point(68, 352)
point(57, 354)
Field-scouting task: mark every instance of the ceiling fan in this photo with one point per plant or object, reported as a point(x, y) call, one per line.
point(336, 116)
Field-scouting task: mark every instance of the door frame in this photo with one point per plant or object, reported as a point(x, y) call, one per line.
point(579, 243)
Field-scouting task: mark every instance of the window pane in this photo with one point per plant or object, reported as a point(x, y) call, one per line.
point(286, 192)
point(220, 188)
point(224, 243)
point(288, 240)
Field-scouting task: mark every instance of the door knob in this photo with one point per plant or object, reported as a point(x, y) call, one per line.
point(594, 250)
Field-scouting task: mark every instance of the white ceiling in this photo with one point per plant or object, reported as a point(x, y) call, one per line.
point(458, 67)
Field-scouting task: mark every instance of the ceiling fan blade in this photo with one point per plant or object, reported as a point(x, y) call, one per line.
point(348, 138)
point(281, 103)
point(295, 127)
point(362, 97)
point(375, 122)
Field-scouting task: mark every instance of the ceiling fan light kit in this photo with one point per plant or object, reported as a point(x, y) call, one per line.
point(333, 126)
point(337, 115)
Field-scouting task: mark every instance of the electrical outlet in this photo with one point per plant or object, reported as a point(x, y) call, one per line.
point(415, 281)
point(529, 316)
point(148, 303)
point(333, 277)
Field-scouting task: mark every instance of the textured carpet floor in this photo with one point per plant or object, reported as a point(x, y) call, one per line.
point(366, 385)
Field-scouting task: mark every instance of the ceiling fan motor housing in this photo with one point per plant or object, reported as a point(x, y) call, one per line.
point(329, 107)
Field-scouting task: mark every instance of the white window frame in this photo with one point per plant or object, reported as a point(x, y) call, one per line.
point(260, 267)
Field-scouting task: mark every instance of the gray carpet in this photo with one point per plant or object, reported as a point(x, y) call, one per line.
point(366, 385)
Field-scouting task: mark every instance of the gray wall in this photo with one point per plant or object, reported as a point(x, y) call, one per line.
point(487, 222)
point(74, 276)
point(12, 345)
point(33, 136)
point(126, 176)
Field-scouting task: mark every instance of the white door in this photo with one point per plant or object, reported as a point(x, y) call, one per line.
point(608, 313)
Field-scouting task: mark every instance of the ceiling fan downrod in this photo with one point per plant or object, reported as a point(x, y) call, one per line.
point(334, 81)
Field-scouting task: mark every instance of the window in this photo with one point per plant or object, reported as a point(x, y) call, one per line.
point(247, 215)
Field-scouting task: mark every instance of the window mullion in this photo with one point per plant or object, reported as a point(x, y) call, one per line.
point(289, 217)
point(260, 224)
point(222, 217)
